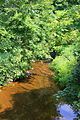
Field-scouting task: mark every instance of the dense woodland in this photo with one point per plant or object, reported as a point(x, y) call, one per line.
point(30, 30)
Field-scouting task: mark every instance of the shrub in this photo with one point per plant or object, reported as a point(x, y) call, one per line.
point(24, 34)
point(63, 65)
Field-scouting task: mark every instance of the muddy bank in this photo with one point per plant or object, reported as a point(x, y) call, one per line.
point(30, 99)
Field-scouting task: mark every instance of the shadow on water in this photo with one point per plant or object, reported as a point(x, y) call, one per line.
point(33, 105)
point(30, 100)
point(37, 105)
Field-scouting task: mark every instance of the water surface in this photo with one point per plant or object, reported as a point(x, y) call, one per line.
point(66, 112)
point(32, 98)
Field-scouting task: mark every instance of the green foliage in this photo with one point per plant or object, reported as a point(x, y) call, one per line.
point(66, 41)
point(24, 34)
point(67, 69)
point(67, 44)
point(71, 93)
point(28, 29)
point(62, 4)
point(63, 65)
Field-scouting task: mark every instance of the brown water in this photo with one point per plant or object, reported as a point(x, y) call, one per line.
point(30, 99)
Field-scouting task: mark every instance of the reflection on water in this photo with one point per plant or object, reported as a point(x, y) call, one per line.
point(66, 112)
point(33, 99)
point(30, 100)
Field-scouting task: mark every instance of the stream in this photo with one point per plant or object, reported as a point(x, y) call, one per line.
point(32, 98)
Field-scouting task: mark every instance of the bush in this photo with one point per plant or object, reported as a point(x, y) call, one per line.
point(63, 4)
point(24, 34)
point(71, 93)
point(63, 65)
point(29, 30)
